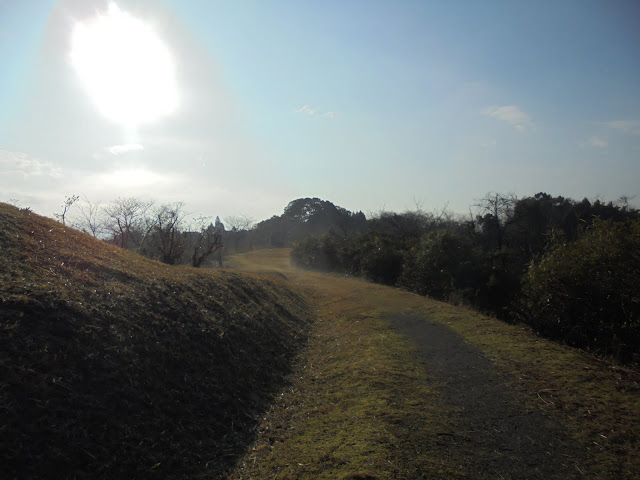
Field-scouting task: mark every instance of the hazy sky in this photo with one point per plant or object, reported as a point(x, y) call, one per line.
point(239, 107)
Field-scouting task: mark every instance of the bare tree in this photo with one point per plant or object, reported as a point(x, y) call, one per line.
point(239, 222)
point(497, 213)
point(68, 203)
point(124, 215)
point(623, 202)
point(238, 226)
point(208, 240)
point(166, 233)
point(91, 218)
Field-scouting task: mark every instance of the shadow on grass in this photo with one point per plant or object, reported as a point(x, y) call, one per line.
point(153, 373)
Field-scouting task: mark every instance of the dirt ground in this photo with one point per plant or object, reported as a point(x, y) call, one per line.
point(496, 434)
point(491, 429)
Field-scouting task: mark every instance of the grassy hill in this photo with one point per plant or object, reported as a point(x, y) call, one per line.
point(364, 404)
point(113, 365)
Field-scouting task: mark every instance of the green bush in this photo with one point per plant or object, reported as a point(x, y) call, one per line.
point(587, 293)
point(443, 264)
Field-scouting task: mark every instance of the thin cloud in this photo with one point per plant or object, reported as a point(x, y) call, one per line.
point(489, 144)
point(132, 177)
point(624, 126)
point(511, 115)
point(306, 109)
point(595, 141)
point(23, 164)
point(126, 148)
point(313, 112)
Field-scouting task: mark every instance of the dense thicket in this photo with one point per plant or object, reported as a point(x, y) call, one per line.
point(302, 217)
point(587, 292)
point(569, 269)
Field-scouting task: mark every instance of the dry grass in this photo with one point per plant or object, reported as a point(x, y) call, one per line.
point(115, 366)
point(358, 406)
point(599, 403)
point(351, 378)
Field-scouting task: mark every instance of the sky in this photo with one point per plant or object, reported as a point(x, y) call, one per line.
point(237, 108)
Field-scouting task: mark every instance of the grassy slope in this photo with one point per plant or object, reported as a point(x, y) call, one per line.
point(359, 407)
point(115, 366)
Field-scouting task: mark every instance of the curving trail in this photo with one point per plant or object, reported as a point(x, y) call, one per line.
point(497, 434)
point(485, 423)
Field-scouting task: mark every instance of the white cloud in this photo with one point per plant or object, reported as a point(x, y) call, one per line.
point(23, 164)
point(512, 115)
point(306, 109)
point(313, 112)
point(126, 148)
point(625, 126)
point(489, 144)
point(595, 141)
point(132, 177)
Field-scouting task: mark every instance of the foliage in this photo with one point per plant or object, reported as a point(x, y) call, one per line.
point(587, 292)
point(307, 216)
point(369, 255)
point(444, 261)
point(481, 261)
point(351, 398)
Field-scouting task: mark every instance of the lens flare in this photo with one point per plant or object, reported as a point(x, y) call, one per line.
point(126, 68)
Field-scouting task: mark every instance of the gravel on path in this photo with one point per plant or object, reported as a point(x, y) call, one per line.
point(496, 434)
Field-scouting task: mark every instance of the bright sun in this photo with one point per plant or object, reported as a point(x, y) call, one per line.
point(126, 68)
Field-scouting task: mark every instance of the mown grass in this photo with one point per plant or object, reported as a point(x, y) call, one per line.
point(359, 378)
point(597, 401)
point(358, 406)
point(115, 366)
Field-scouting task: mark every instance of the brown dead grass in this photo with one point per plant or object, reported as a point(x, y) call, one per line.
point(358, 406)
point(115, 366)
point(599, 404)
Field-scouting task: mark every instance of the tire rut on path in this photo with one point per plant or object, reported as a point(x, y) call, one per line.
point(495, 434)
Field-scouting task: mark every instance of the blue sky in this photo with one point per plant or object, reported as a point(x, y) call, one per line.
point(368, 104)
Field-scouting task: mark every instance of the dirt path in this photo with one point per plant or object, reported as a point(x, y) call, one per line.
point(496, 434)
point(487, 428)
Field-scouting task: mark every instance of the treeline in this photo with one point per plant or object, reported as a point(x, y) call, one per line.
point(157, 231)
point(165, 232)
point(569, 269)
point(303, 217)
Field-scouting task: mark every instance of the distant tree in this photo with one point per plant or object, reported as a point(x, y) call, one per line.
point(623, 202)
point(496, 215)
point(219, 228)
point(68, 203)
point(124, 217)
point(239, 226)
point(167, 236)
point(238, 222)
point(91, 218)
point(207, 240)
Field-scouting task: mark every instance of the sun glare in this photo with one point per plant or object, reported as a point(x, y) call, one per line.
point(127, 70)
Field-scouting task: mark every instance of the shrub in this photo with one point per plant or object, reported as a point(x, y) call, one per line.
point(587, 292)
point(443, 263)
